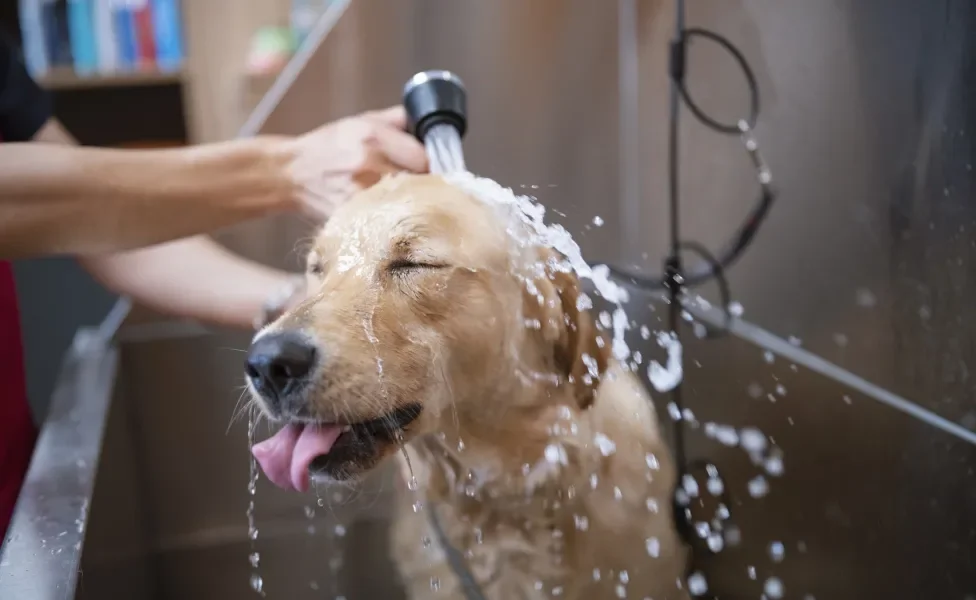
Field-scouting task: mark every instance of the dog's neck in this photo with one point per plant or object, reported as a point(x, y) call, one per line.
point(516, 453)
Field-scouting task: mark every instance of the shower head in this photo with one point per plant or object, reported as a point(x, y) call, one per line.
point(433, 98)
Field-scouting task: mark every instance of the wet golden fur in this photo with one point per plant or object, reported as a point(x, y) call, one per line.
point(417, 281)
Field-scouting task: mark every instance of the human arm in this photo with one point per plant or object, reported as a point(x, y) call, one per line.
point(68, 200)
point(193, 278)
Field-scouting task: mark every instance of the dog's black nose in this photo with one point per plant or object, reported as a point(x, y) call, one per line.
point(278, 362)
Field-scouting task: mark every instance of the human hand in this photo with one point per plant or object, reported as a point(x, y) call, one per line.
point(341, 158)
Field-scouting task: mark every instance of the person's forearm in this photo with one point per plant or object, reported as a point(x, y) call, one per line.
point(57, 199)
point(193, 278)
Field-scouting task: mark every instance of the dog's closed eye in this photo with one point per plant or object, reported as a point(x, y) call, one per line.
point(399, 265)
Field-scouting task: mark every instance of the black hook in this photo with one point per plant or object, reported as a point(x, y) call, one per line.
point(675, 279)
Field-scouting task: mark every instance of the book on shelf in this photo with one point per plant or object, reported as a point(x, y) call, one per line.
point(102, 37)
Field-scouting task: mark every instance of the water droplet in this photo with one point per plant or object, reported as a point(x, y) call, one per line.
point(597, 221)
point(774, 466)
point(255, 559)
point(758, 487)
point(557, 591)
point(752, 440)
point(435, 584)
point(582, 523)
point(735, 309)
point(703, 529)
point(773, 588)
point(697, 584)
point(425, 542)
point(715, 542)
point(865, 298)
point(733, 536)
point(777, 551)
point(723, 434)
point(418, 506)
point(556, 454)
point(257, 584)
point(751, 571)
point(652, 462)
point(605, 444)
point(309, 512)
point(621, 591)
point(412, 484)
point(340, 531)
point(653, 547)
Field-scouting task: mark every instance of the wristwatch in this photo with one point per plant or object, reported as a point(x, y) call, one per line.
point(280, 301)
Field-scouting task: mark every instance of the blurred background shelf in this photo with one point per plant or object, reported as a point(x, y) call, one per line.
point(66, 79)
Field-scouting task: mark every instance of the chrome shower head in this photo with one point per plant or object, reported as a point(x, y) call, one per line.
point(433, 98)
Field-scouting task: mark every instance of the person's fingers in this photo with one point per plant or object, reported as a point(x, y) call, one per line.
point(394, 116)
point(402, 149)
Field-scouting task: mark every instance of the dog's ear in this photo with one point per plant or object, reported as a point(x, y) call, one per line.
point(580, 352)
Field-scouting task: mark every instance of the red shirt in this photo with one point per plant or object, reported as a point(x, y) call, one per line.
point(17, 430)
point(24, 108)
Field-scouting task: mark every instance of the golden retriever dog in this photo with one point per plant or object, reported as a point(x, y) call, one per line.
point(430, 333)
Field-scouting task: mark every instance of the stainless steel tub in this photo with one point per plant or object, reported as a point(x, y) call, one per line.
point(867, 260)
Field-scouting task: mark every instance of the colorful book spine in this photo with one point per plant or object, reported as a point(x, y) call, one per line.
point(145, 39)
point(49, 29)
point(32, 31)
point(81, 36)
point(64, 58)
point(105, 37)
point(168, 32)
point(125, 34)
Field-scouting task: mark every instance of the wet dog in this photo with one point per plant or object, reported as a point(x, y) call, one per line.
point(432, 334)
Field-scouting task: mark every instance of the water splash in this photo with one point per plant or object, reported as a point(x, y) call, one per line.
point(528, 216)
point(254, 558)
point(413, 487)
point(525, 220)
point(444, 151)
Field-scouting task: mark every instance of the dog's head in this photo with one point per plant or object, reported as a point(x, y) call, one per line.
point(421, 310)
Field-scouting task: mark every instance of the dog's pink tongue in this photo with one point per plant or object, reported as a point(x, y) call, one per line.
point(286, 456)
